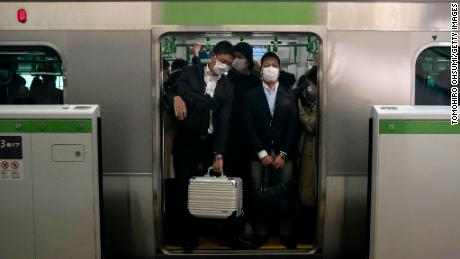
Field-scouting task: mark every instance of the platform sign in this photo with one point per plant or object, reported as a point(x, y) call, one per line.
point(11, 158)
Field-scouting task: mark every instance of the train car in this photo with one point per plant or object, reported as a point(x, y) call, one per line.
point(111, 53)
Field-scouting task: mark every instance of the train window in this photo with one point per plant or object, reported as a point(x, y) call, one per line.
point(30, 75)
point(299, 58)
point(432, 77)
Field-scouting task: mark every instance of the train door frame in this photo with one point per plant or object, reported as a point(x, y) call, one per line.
point(49, 45)
point(414, 63)
point(157, 162)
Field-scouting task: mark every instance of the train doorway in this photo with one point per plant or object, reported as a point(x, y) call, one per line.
point(300, 55)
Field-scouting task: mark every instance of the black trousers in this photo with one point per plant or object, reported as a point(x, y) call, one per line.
point(238, 164)
point(189, 152)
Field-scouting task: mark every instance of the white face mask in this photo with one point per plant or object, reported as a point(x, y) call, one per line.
point(270, 74)
point(239, 64)
point(220, 68)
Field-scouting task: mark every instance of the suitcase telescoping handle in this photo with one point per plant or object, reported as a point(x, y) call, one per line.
point(209, 171)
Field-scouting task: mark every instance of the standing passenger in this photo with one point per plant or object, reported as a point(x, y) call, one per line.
point(308, 113)
point(270, 116)
point(239, 157)
point(203, 107)
point(171, 188)
point(243, 80)
point(177, 67)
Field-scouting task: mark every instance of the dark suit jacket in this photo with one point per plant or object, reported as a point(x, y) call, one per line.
point(169, 91)
point(276, 133)
point(192, 87)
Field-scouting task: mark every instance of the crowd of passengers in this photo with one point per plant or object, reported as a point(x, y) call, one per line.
point(13, 89)
point(244, 119)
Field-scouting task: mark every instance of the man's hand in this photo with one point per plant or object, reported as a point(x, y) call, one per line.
point(279, 162)
point(180, 109)
point(196, 49)
point(218, 165)
point(267, 160)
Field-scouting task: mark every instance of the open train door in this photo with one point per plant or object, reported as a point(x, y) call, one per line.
point(299, 48)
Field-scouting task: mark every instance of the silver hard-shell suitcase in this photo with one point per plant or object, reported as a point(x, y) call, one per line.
point(217, 197)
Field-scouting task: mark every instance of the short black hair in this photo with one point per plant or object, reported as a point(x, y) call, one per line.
point(312, 75)
point(166, 64)
point(270, 55)
point(178, 63)
point(246, 49)
point(49, 78)
point(302, 81)
point(286, 78)
point(224, 47)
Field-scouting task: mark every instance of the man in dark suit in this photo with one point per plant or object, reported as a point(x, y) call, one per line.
point(202, 103)
point(270, 115)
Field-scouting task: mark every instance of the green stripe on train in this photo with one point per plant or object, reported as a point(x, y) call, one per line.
point(417, 127)
point(45, 126)
point(238, 12)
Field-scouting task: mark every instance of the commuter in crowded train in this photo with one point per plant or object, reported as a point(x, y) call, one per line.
point(171, 187)
point(243, 79)
point(202, 107)
point(271, 120)
point(45, 92)
point(175, 70)
point(301, 91)
point(177, 66)
point(308, 115)
point(230, 229)
point(12, 85)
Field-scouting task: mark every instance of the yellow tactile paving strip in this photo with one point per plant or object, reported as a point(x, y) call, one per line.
point(208, 243)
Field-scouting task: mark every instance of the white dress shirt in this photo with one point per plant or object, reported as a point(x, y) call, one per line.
point(211, 83)
point(270, 94)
